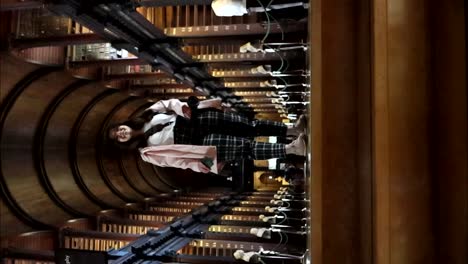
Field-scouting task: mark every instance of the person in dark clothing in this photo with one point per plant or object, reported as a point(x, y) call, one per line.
point(173, 123)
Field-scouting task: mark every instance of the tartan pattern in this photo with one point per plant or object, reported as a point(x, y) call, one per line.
point(228, 123)
point(184, 132)
point(216, 122)
point(235, 148)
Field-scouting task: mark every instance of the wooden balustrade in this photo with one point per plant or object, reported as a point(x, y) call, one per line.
point(195, 198)
point(134, 206)
point(94, 240)
point(244, 220)
point(248, 210)
point(235, 237)
point(31, 248)
point(295, 241)
point(240, 217)
point(27, 256)
point(186, 203)
point(126, 226)
point(295, 204)
point(170, 209)
point(151, 217)
point(81, 224)
point(230, 229)
point(110, 213)
point(38, 240)
point(259, 198)
point(263, 193)
point(208, 247)
point(255, 203)
point(243, 208)
point(254, 211)
point(206, 194)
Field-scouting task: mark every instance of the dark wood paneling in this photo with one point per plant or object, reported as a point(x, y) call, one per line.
point(364, 133)
point(148, 172)
point(88, 131)
point(449, 127)
point(401, 87)
point(18, 5)
point(181, 179)
point(9, 73)
point(166, 175)
point(50, 56)
point(380, 151)
point(97, 94)
point(129, 168)
point(65, 40)
point(341, 178)
point(56, 148)
point(6, 21)
point(15, 77)
point(9, 224)
point(39, 240)
point(39, 144)
point(18, 130)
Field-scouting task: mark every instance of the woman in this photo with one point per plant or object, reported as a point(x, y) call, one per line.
point(172, 134)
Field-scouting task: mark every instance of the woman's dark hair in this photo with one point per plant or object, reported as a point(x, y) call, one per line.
point(135, 123)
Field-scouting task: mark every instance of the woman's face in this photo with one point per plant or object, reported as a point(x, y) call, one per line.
point(123, 133)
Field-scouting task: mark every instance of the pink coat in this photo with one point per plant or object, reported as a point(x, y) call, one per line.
point(181, 156)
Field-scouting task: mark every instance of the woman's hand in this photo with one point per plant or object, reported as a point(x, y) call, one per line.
point(203, 168)
point(187, 111)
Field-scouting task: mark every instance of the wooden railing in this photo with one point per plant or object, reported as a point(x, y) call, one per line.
point(259, 198)
point(31, 248)
point(187, 203)
point(126, 226)
point(94, 240)
point(150, 217)
point(240, 217)
point(27, 256)
point(244, 220)
point(246, 210)
point(38, 240)
point(208, 247)
point(81, 224)
point(195, 199)
point(256, 203)
point(118, 227)
point(171, 209)
point(230, 229)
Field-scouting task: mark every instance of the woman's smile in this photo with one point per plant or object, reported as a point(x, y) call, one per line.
point(123, 133)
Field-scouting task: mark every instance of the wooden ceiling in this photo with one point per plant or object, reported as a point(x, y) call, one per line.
point(161, 49)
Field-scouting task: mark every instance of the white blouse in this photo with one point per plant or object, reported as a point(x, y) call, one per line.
point(166, 135)
point(229, 8)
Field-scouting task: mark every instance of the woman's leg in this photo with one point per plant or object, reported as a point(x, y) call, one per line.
point(235, 148)
point(228, 123)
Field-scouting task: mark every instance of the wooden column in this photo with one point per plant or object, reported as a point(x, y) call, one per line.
point(340, 138)
point(389, 137)
point(420, 134)
point(403, 192)
point(449, 130)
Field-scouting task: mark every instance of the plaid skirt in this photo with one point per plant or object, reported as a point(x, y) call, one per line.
point(231, 133)
point(217, 122)
point(235, 148)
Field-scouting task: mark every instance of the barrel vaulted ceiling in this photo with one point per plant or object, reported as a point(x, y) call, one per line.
point(65, 79)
